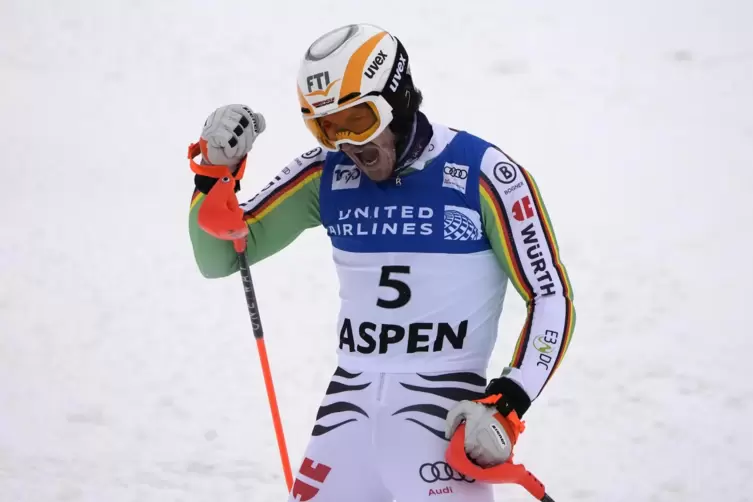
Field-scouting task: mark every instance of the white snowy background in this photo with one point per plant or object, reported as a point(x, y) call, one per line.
point(126, 376)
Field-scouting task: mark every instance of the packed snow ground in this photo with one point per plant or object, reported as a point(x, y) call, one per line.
point(125, 376)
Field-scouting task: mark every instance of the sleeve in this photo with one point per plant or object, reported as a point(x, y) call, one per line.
point(279, 213)
point(521, 235)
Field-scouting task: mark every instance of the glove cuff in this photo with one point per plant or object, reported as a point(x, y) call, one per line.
point(514, 398)
point(204, 180)
point(205, 183)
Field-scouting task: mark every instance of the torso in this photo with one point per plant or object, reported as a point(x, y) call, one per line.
point(420, 288)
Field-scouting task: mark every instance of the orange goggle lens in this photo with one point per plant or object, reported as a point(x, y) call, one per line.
point(357, 123)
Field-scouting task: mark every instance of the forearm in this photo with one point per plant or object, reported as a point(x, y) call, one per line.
point(275, 217)
point(214, 257)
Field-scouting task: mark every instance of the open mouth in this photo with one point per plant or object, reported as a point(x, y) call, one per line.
point(368, 157)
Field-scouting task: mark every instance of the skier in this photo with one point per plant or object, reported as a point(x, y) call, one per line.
point(428, 224)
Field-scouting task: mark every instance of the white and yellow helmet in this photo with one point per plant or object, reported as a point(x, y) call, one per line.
point(354, 65)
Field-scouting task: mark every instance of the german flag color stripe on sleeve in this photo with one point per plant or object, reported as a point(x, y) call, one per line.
point(282, 192)
point(561, 272)
point(196, 198)
point(548, 233)
point(502, 224)
point(523, 339)
point(522, 238)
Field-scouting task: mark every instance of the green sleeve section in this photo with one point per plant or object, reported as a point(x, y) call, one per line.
point(272, 226)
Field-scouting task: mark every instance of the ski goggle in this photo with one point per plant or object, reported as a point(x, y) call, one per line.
point(357, 124)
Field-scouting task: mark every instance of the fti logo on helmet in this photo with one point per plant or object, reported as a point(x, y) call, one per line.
point(319, 84)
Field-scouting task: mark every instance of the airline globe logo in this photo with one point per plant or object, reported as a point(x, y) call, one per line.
point(462, 224)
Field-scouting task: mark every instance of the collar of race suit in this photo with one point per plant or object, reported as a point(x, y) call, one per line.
point(412, 145)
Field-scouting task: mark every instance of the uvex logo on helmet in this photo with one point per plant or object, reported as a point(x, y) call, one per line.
point(376, 63)
point(398, 73)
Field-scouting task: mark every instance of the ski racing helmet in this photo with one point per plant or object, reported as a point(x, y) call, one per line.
point(359, 72)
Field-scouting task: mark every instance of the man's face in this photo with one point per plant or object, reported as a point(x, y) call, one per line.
point(375, 159)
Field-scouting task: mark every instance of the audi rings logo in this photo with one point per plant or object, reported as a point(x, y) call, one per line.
point(455, 172)
point(441, 471)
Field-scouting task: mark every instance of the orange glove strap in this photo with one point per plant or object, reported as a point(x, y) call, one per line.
point(194, 149)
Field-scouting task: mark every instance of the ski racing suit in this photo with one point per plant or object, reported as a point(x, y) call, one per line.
point(423, 261)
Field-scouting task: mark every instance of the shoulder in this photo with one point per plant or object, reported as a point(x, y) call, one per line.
point(303, 170)
point(315, 156)
point(506, 185)
point(308, 164)
point(463, 142)
point(310, 161)
point(500, 171)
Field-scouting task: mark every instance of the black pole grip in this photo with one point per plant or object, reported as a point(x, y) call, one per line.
point(248, 288)
point(547, 498)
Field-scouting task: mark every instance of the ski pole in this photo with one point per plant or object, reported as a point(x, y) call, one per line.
point(253, 312)
point(221, 216)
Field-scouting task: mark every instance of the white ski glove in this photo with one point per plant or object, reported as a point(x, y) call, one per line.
point(487, 442)
point(229, 133)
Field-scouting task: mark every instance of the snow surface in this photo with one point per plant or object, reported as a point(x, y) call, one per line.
point(126, 376)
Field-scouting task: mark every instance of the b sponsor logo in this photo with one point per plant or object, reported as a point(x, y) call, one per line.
point(346, 177)
point(537, 261)
point(313, 471)
point(441, 471)
point(462, 224)
point(376, 63)
point(398, 73)
point(505, 172)
point(312, 153)
point(380, 338)
point(522, 209)
point(455, 176)
point(545, 344)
